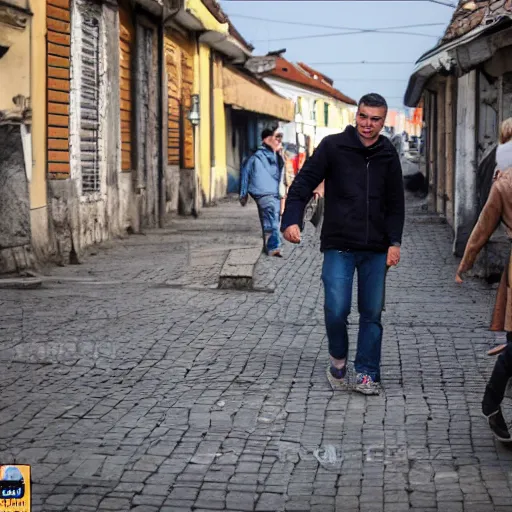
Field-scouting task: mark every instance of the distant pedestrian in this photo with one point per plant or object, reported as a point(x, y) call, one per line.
point(498, 208)
point(261, 178)
point(362, 230)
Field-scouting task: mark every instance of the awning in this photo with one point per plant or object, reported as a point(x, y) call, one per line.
point(445, 59)
point(248, 93)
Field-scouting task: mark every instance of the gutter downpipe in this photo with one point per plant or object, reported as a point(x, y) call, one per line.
point(139, 177)
point(197, 152)
point(162, 161)
point(212, 130)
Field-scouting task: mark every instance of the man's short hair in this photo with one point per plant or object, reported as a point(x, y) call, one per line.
point(267, 132)
point(373, 100)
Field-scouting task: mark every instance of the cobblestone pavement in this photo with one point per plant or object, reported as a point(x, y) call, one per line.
point(127, 386)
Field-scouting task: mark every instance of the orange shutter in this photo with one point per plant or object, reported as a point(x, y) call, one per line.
point(173, 63)
point(187, 59)
point(125, 73)
point(180, 79)
point(58, 65)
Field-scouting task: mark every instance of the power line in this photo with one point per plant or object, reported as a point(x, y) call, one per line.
point(370, 78)
point(353, 33)
point(373, 63)
point(447, 4)
point(336, 27)
point(439, 2)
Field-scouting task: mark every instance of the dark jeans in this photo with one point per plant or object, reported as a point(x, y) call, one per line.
point(497, 384)
point(337, 276)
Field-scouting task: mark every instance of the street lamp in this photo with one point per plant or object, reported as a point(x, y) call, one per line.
point(194, 116)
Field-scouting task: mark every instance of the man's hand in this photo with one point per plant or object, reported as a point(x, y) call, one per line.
point(243, 200)
point(393, 256)
point(319, 191)
point(292, 234)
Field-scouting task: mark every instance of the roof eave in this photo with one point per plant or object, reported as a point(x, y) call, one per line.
point(318, 90)
point(422, 75)
point(440, 58)
point(225, 44)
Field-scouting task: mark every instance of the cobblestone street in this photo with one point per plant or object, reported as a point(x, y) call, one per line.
point(131, 383)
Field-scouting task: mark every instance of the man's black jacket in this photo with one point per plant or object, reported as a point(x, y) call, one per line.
point(364, 193)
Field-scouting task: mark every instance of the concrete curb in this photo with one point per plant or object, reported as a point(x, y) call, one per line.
point(238, 269)
point(20, 283)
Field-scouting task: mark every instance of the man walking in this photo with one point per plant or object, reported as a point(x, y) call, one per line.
point(362, 230)
point(260, 178)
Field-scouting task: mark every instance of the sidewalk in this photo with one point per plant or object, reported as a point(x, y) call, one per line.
point(129, 384)
point(187, 252)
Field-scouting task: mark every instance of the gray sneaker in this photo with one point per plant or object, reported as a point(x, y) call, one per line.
point(366, 385)
point(338, 380)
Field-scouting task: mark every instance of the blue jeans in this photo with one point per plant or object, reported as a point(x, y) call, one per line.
point(269, 210)
point(337, 276)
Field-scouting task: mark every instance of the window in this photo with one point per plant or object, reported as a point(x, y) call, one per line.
point(298, 105)
point(326, 114)
point(89, 101)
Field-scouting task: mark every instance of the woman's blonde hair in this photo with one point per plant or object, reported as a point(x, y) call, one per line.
point(506, 130)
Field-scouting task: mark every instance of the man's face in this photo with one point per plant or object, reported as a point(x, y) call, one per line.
point(274, 141)
point(370, 121)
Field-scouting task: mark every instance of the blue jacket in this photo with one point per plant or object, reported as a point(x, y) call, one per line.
point(261, 174)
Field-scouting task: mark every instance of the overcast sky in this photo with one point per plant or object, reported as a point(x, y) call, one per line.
point(354, 80)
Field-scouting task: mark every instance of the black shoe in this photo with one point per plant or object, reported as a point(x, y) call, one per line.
point(498, 426)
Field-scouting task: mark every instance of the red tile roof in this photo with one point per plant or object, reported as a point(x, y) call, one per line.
point(300, 75)
point(313, 72)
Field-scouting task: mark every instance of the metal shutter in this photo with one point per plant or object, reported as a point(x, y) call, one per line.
point(89, 104)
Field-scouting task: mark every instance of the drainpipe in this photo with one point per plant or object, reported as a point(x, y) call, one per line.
point(197, 152)
point(212, 131)
point(197, 156)
point(162, 161)
point(162, 114)
point(139, 172)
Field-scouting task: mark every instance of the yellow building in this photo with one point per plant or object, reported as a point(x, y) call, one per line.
point(23, 200)
point(196, 37)
point(218, 48)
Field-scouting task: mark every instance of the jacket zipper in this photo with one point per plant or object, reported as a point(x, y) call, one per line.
point(367, 200)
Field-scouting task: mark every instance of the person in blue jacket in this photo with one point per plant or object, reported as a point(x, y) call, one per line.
point(261, 176)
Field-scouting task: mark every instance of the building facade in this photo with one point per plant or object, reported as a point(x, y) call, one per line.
point(464, 84)
point(135, 121)
point(24, 228)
